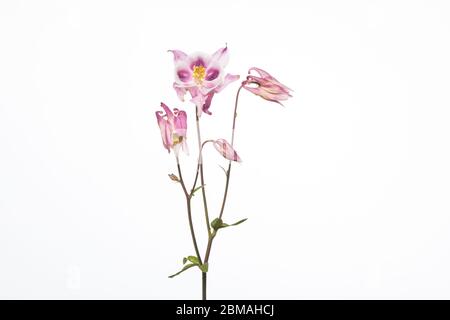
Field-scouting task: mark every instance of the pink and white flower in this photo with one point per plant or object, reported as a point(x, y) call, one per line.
point(266, 86)
point(202, 75)
point(226, 150)
point(173, 126)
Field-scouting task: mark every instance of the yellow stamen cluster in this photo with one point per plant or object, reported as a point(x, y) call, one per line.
point(176, 139)
point(199, 74)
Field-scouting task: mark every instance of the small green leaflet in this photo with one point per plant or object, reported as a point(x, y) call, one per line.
point(196, 189)
point(193, 259)
point(194, 262)
point(217, 223)
point(188, 266)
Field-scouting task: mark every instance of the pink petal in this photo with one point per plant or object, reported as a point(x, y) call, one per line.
point(259, 91)
point(229, 78)
point(207, 103)
point(213, 78)
point(164, 127)
point(261, 72)
point(212, 73)
point(209, 86)
point(221, 56)
point(168, 111)
point(180, 122)
point(183, 75)
point(185, 146)
point(199, 59)
point(199, 101)
point(178, 55)
point(181, 91)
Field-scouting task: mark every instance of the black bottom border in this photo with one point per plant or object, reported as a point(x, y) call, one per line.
point(226, 309)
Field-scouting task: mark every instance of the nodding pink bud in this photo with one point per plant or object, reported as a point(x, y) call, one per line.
point(266, 86)
point(226, 150)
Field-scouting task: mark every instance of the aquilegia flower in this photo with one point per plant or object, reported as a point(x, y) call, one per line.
point(202, 75)
point(226, 150)
point(173, 126)
point(266, 86)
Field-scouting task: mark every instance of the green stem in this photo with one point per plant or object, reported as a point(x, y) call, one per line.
point(205, 204)
point(204, 285)
point(227, 182)
point(202, 177)
point(189, 210)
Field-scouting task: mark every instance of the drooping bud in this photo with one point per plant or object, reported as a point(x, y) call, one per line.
point(226, 150)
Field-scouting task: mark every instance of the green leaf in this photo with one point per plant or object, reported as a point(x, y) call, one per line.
point(204, 267)
point(188, 266)
point(239, 222)
point(185, 260)
point(196, 189)
point(193, 259)
point(217, 223)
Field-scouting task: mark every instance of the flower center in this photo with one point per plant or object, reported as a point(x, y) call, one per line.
point(176, 139)
point(199, 74)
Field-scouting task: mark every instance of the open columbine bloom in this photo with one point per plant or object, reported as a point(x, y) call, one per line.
point(173, 126)
point(266, 86)
point(226, 150)
point(202, 75)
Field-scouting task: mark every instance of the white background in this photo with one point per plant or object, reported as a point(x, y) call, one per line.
point(346, 188)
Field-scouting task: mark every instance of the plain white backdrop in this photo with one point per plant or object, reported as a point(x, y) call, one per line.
point(346, 188)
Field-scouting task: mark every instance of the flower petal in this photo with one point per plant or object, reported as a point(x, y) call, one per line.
point(209, 86)
point(199, 100)
point(221, 56)
point(213, 78)
point(180, 122)
point(199, 59)
point(229, 78)
point(261, 73)
point(212, 73)
point(185, 146)
point(181, 91)
point(169, 113)
point(207, 103)
point(184, 75)
point(178, 55)
point(164, 127)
